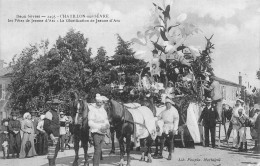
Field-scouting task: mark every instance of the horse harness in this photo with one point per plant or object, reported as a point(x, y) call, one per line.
point(130, 121)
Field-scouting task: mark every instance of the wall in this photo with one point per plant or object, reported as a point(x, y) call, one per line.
point(4, 111)
point(230, 94)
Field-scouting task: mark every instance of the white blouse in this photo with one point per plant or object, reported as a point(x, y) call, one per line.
point(97, 118)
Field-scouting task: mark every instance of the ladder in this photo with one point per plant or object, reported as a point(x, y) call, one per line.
point(218, 131)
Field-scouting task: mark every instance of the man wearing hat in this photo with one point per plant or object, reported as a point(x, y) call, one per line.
point(170, 117)
point(257, 128)
point(234, 121)
point(5, 138)
point(98, 123)
point(63, 121)
point(14, 134)
point(242, 129)
point(52, 127)
point(209, 116)
point(216, 95)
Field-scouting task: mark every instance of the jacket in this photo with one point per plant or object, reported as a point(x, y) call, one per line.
point(52, 126)
point(209, 116)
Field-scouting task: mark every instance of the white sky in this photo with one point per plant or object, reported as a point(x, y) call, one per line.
point(234, 23)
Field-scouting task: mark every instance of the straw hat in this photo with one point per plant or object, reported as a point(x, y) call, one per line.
point(241, 101)
point(101, 98)
point(208, 100)
point(169, 101)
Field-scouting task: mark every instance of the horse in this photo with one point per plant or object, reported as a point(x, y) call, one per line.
point(80, 129)
point(123, 123)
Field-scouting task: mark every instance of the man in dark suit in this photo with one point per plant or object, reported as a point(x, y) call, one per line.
point(209, 116)
point(52, 127)
point(257, 127)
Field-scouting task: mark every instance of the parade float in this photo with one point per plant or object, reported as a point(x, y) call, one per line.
point(174, 70)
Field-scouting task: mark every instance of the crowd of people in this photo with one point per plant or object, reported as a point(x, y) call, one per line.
point(27, 136)
point(47, 134)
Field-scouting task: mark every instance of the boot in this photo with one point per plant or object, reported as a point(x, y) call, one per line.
point(4, 153)
point(240, 149)
point(245, 150)
point(159, 155)
point(51, 162)
point(155, 153)
point(254, 148)
point(101, 155)
point(169, 156)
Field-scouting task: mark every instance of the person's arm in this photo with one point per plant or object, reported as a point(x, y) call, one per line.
point(216, 113)
point(33, 131)
point(210, 88)
point(40, 126)
point(47, 126)
point(176, 121)
point(106, 122)
point(10, 127)
point(23, 128)
point(201, 116)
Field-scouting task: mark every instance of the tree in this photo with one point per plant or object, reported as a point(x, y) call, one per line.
point(258, 74)
point(124, 57)
point(52, 72)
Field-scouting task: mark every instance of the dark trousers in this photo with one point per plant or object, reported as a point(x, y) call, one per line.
point(212, 132)
point(62, 141)
point(169, 138)
point(53, 148)
point(230, 127)
point(98, 139)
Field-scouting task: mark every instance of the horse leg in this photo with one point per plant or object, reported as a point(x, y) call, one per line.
point(149, 150)
point(101, 155)
point(182, 138)
point(128, 148)
point(143, 153)
point(112, 131)
point(76, 146)
point(84, 140)
point(156, 146)
point(122, 149)
point(171, 145)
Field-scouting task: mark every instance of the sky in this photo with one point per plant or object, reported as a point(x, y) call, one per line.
point(234, 23)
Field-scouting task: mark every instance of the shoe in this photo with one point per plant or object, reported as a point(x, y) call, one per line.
point(225, 140)
point(245, 150)
point(169, 157)
point(256, 152)
point(155, 154)
point(254, 148)
point(159, 156)
point(240, 149)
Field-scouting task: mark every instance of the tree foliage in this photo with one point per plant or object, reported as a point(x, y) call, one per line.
point(67, 66)
point(39, 71)
point(258, 74)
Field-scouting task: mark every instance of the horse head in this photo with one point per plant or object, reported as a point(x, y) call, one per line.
point(78, 106)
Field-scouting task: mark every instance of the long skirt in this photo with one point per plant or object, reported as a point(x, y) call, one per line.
point(32, 152)
point(15, 143)
point(42, 144)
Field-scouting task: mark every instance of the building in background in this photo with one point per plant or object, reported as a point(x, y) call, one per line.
point(230, 90)
point(5, 79)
